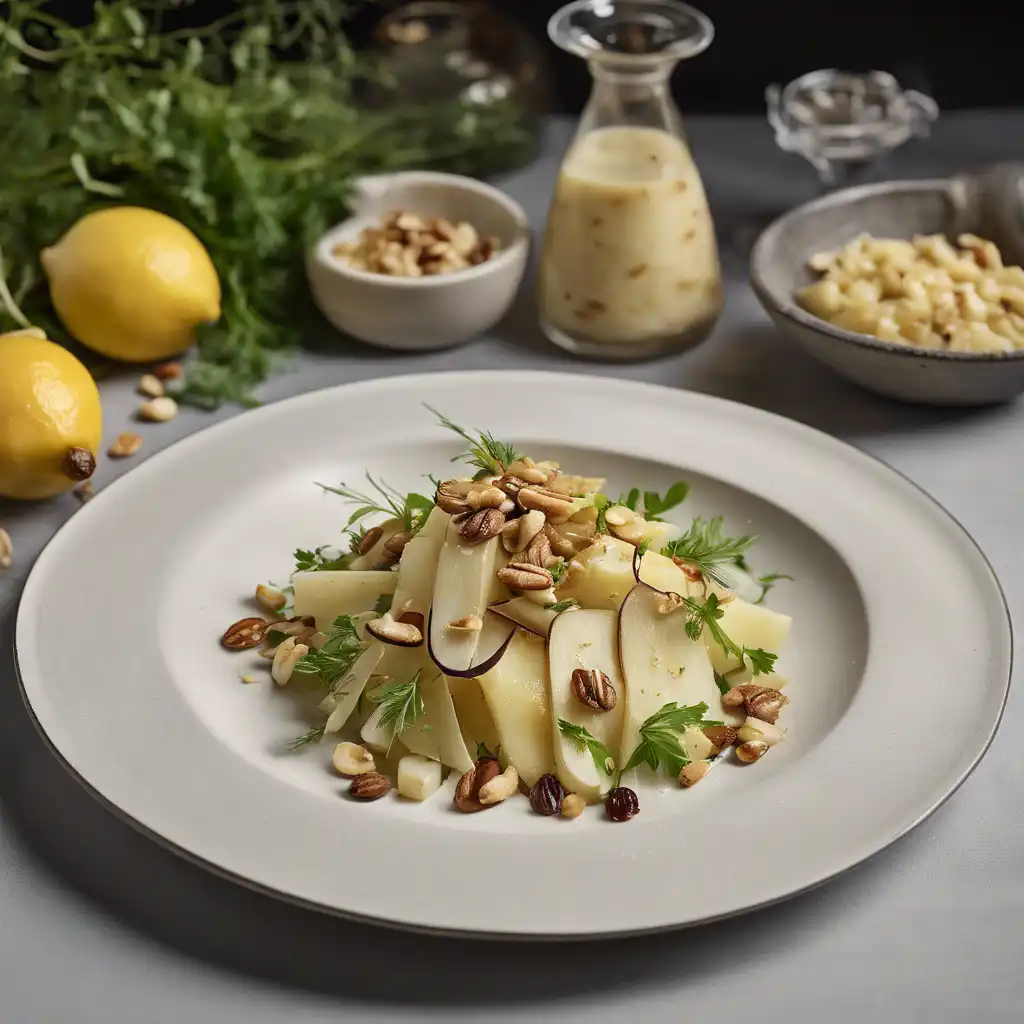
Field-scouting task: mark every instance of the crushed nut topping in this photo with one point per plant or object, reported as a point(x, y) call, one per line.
point(407, 245)
point(126, 445)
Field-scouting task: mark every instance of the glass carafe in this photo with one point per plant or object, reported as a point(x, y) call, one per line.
point(629, 268)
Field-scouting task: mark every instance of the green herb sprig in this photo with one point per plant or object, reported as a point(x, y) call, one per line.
point(603, 758)
point(334, 660)
point(411, 509)
point(248, 130)
point(767, 582)
point(660, 744)
point(311, 736)
point(400, 705)
point(489, 455)
point(562, 606)
point(705, 614)
point(704, 546)
point(319, 560)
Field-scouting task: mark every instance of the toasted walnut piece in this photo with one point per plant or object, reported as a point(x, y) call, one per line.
point(721, 736)
point(395, 544)
point(168, 371)
point(467, 793)
point(482, 526)
point(6, 550)
point(126, 445)
point(525, 576)
point(371, 786)
point(762, 702)
point(668, 603)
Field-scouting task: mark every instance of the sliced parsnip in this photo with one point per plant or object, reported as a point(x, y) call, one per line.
point(584, 639)
point(474, 715)
point(352, 686)
point(464, 580)
point(516, 690)
point(748, 625)
point(660, 663)
point(326, 595)
point(523, 611)
point(418, 566)
point(601, 575)
point(436, 733)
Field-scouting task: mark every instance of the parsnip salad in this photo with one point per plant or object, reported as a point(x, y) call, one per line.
point(529, 633)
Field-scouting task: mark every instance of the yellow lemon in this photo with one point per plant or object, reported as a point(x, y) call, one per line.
point(51, 421)
point(132, 284)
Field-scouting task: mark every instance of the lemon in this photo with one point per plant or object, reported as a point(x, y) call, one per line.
point(132, 284)
point(51, 421)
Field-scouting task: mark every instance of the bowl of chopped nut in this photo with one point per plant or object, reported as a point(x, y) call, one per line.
point(427, 261)
point(912, 289)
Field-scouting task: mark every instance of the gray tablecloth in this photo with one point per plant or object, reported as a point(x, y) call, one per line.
point(101, 926)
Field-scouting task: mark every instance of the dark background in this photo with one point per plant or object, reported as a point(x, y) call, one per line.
point(965, 53)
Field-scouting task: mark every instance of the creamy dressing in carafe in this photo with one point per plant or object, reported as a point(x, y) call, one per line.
point(629, 256)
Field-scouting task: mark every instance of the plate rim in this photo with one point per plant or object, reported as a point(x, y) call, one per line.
point(853, 860)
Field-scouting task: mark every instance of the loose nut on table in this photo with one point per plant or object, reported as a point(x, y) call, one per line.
point(126, 445)
point(7, 550)
point(158, 410)
point(150, 386)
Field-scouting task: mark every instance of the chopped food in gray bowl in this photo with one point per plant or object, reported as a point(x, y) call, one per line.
point(989, 204)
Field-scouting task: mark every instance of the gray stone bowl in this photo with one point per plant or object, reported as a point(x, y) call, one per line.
point(989, 203)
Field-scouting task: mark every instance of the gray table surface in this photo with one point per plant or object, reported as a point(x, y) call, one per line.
point(98, 925)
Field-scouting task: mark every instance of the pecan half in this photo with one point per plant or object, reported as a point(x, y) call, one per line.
point(538, 552)
point(467, 793)
point(525, 576)
point(367, 542)
point(593, 689)
point(482, 526)
point(762, 702)
point(244, 633)
point(451, 496)
point(370, 786)
point(395, 544)
point(561, 546)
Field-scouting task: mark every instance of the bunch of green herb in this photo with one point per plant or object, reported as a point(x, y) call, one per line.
point(701, 615)
point(652, 506)
point(486, 454)
point(335, 658)
point(411, 509)
point(399, 705)
point(704, 546)
point(248, 130)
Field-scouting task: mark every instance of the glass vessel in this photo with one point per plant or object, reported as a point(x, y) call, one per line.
point(843, 122)
point(629, 267)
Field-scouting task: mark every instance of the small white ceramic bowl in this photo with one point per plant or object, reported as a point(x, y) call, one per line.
point(422, 313)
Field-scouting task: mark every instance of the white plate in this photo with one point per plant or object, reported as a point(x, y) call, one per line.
point(899, 661)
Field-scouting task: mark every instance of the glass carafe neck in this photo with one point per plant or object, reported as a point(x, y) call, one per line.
point(628, 96)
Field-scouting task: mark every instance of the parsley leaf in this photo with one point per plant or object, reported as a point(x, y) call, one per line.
point(704, 546)
point(482, 751)
point(655, 504)
point(383, 605)
point(604, 761)
point(486, 453)
point(722, 683)
point(659, 737)
point(319, 561)
point(701, 615)
point(767, 581)
point(558, 571)
point(562, 606)
point(602, 504)
point(333, 661)
point(400, 705)
point(630, 500)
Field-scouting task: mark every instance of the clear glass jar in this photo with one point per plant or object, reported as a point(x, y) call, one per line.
point(629, 268)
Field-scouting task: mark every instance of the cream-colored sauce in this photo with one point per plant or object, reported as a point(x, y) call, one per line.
point(630, 253)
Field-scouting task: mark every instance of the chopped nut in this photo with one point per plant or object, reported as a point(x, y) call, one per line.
point(517, 534)
point(371, 786)
point(500, 788)
point(751, 751)
point(538, 552)
point(556, 507)
point(693, 773)
point(151, 386)
point(352, 759)
point(561, 546)
point(6, 550)
point(467, 793)
point(244, 633)
point(391, 631)
point(395, 544)
point(286, 657)
point(511, 485)
point(467, 624)
point(364, 544)
point(619, 515)
point(593, 689)
point(573, 806)
point(272, 600)
point(762, 702)
point(668, 603)
point(126, 445)
point(452, 496)
point(158, 410)
point(525, 576)
point(733, 697)
point(721, 736)
point(247, 677)
point(168, 371)
point(528, 471)
point(482, 526)
point(488, 497)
